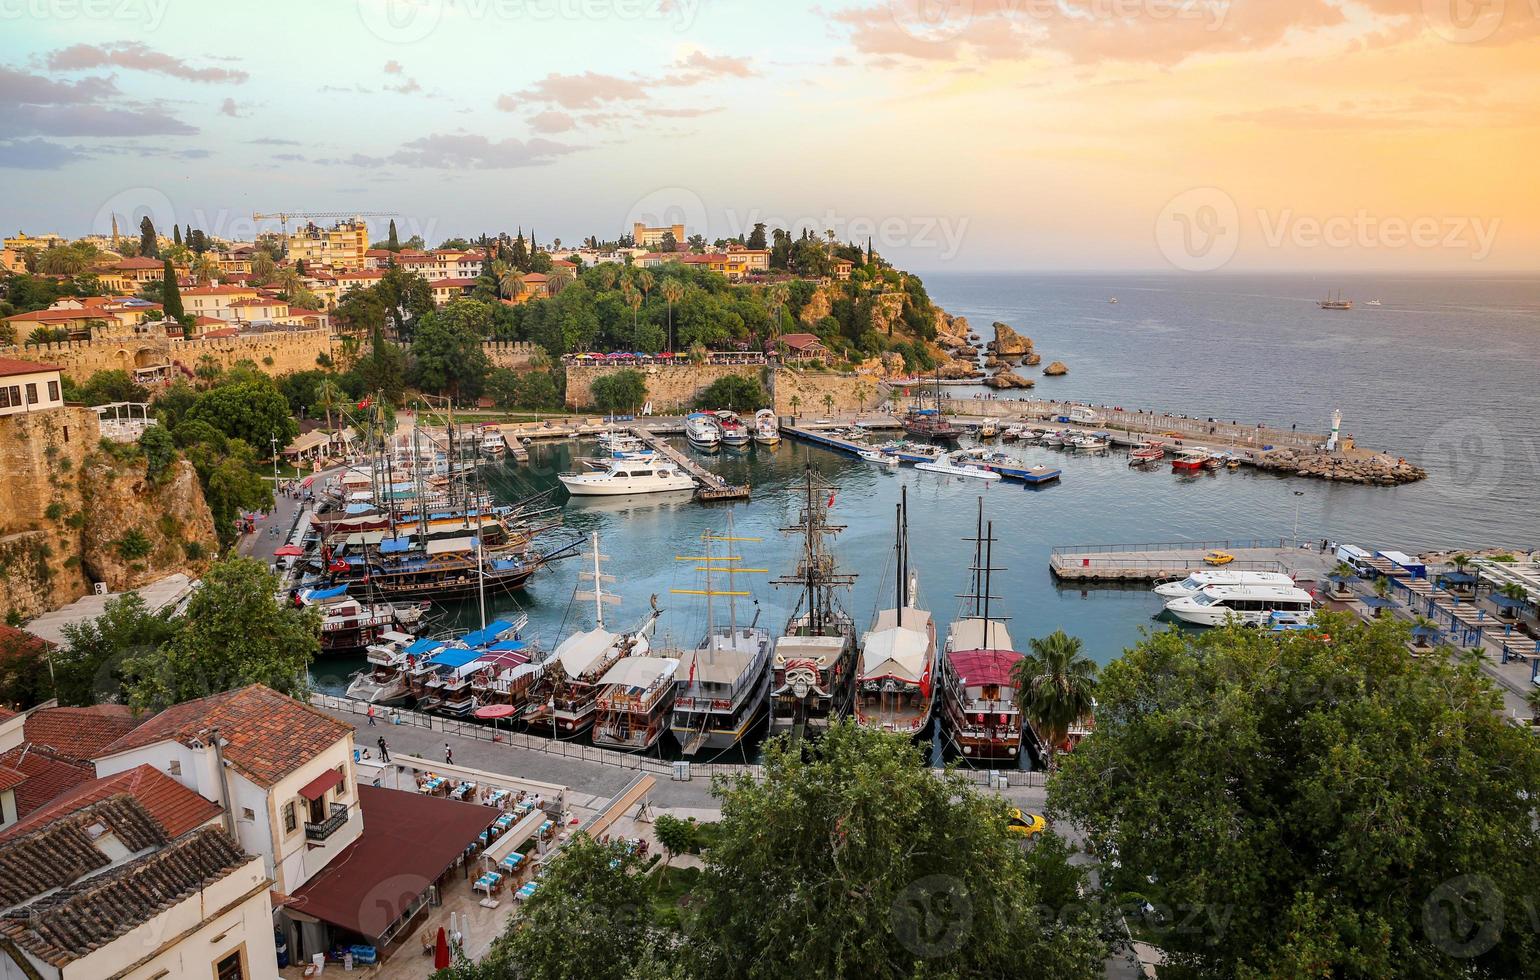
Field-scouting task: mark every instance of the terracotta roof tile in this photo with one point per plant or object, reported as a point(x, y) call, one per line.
point(78, 734)
point(46, 776)
point(173, 806)
point(266, 735)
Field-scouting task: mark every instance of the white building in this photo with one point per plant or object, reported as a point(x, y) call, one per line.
point(26, 386)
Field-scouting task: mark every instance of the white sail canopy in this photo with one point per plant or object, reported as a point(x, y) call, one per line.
point(579, 652)
point(897, 652)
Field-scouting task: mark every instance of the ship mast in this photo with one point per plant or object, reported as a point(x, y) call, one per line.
point(977, 601)
point(817, 574)
point(599, 579)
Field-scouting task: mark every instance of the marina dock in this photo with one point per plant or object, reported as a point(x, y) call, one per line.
point(709, 486)
point(1152, 562)
point(1030, 475)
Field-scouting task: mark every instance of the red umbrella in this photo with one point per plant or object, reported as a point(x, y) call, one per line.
point(289, 551)
point(492, 712)
point(441, 951)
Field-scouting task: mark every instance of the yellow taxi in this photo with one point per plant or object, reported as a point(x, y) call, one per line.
point(1218, 558)
point(1028, 825)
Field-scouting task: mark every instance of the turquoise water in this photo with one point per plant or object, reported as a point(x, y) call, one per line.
point(1445, 373)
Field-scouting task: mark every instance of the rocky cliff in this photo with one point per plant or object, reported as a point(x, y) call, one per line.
point(137, 530)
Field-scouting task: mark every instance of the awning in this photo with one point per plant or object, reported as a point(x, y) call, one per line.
point(317, 787)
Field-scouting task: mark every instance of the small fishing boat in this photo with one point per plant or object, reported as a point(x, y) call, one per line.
point(882, 459)
point(493, 445)
point(989, 428)
point(767, 428)
point(1190, 460)
point(1093, 442)
point(909, 452)
point(1150, 452)
point(1373, 302)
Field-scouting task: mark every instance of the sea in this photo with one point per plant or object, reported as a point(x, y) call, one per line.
point(1446, 372)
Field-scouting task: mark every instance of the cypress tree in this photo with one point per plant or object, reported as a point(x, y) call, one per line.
point(148, 247)
point(394, 244)
point(176, 234)
point(170, 293)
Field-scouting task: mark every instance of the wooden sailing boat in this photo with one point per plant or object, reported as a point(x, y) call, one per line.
point(895, 685)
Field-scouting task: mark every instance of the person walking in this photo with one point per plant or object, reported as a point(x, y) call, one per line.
point(449, 755)
point(384, 750)
point(371, 716)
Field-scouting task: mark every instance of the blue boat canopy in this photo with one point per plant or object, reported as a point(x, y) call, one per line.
point(508, 645)
point(317, 595)
point(425, 646)
point(392, 546)
point(358, 508)
point(481, 638)
point(454, 657)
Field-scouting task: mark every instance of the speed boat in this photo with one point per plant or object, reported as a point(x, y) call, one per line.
point(882, 459)
point(1197, 581)
point(947, 467)
point(1251, 605)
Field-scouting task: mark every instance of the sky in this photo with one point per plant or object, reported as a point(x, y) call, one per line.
point(1199, 136)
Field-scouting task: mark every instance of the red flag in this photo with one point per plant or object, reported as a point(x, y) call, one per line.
point(831, 499)
point(925, 683)
point(692, 670)
point(364, 403)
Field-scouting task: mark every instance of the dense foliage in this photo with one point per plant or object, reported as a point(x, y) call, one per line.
point(621, 392)
point(733, 392)
point(89, 667)
point(1312, 805)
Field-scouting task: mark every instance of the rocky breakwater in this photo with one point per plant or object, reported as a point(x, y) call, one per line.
point(1371, 469)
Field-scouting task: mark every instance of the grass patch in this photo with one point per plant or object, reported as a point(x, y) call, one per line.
point(672, 895)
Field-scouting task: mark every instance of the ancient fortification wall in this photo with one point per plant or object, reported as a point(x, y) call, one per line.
point(514, 354)
point(276, 352)
point(673, 387)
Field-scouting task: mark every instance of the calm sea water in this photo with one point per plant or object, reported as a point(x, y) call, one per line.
point(1446, 372)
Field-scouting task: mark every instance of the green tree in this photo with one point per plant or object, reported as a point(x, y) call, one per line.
point(675, 834)
point(170, 293)
point(89, 667)
point(159, 452)
point(392, 242)
point(253, 411)
point(588, 918)
point(149, 246)
point(1055, 686)
point(733, 391)
point(673, 291)
point(107, 386)
point(622, 391)
point(176, 234)
point(446, 350)
point(851, 859)
point(1311, 805)
point(235, 633)
point(328, 395)
point(26, 678)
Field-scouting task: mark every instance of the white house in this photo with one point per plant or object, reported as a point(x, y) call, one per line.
point(26, 386)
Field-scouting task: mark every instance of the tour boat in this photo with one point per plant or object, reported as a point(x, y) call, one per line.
point(946, 467)
point(1250, 605)
point(894, 690)
point(703, 430)
point(628, 476)
point(566, 698)
point(492, 444)
point(734, 432)
point(722, 687)
point(1198, 581)
point(1190, 460)
point(348, 625)
point(636, 697)
point(1093, 442)
point(767, 428)
point(815, 657)
point(882, 459)
point(989, 428)
point(927, 423)
point(978, 693)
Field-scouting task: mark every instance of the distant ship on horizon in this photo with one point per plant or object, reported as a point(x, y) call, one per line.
point(1335, 303)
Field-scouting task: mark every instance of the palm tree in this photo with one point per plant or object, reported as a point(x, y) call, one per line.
point(828, 404)
point(328, 395)
point(673, 292)
point(777, 294)
point(1343, 572)
point(510, 281)
point(287, 280)
point(644, 282)
point(634, 300)
point(206, 269)
point(796, 404)
point(1421, 625)
point(1055, 687)
point(1461, 562)
point(560, 279)
point(1381, 589)
point(862, 390)
point(1517, 592)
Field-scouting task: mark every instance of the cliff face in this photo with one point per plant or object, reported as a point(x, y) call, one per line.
point(137, 531)
point(72, 512)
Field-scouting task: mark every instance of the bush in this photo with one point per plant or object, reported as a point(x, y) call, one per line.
point(623, 391)
point(133, 545)
point(733, 392)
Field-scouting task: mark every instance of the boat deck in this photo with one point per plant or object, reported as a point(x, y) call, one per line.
point(708, 485)
point(1151, 562)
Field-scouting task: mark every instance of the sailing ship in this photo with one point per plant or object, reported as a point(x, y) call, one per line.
point(722, 687)
point(565, 700)
point(815, 659)
point(894, 690)
point(928, 423)
point(1335, 302)
point(978, 694)
point(348, 625)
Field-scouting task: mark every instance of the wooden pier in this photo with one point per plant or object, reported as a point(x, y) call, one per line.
point(839, 445)
point(709, 486)
point(1153, 562)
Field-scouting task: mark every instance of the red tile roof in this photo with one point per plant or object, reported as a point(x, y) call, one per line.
point(174, 806)
point(220, 332)
point(9, 366)
point(457, 283)
point(800, 341)
point(266, 735)
point(50, 316)
point(138, 263)
point(46, 776)
point(10, 778)
point(78, 734)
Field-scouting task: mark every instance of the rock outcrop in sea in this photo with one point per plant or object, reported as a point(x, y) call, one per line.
point(1056, 369)
point(1009, 343)
point(1373, 470)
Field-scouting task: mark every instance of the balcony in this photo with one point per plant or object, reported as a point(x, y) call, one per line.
point(317, 833)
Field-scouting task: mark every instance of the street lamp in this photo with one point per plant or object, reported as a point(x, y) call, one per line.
point(274, 441)
point(1297, 495)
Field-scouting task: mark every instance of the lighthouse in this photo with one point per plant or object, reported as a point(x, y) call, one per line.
point(1336, 430)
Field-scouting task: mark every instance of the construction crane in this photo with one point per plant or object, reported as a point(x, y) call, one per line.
point(284, 216)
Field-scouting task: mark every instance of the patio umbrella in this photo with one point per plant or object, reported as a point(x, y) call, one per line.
point(441, 951)
point(289, 551)
point(492, 712)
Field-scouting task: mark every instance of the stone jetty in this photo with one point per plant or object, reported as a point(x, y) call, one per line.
point(1373, 469)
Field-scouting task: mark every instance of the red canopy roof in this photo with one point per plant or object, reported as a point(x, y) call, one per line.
point(317, 787)
point(979, 667)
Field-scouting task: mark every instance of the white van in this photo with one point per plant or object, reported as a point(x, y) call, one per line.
point(1357, 557)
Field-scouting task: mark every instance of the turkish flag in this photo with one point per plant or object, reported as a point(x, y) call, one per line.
point(364, 403)
point(925, 682)
point(831, 500)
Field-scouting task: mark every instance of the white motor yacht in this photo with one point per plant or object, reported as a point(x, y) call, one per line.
point(703, 430)
point(628, 476)
point(1197, 581)
point(1251, 605)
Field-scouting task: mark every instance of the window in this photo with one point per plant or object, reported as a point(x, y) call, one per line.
point(10, 396)
point(342, 785)
point(290, 820)
point(231, 967)
point(53, 391)
point(248, 814)
point(175, 768)
point(32, 393)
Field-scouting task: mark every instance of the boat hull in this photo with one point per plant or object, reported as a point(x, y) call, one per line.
point(578, 487)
